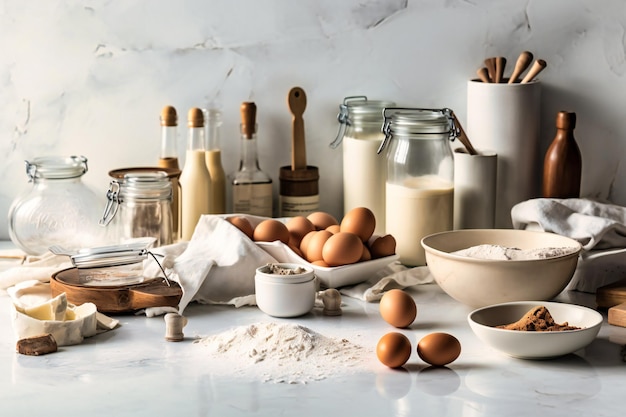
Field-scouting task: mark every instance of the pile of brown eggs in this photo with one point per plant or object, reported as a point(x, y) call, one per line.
point(323, 241)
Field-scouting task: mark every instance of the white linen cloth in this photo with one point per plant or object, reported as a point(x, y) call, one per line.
point(217, 266)
point(599, 227)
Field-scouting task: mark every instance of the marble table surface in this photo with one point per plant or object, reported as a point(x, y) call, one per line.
point(133, 370)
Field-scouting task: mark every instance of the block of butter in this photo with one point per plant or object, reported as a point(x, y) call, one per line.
point(35, 312)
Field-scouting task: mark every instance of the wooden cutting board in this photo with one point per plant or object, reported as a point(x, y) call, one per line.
point(613, 297)
point(117, 299)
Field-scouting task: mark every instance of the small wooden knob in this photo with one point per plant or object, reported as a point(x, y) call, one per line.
point(174, 324)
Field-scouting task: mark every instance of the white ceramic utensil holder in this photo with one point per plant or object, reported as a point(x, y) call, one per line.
point(475, 179)
point(506, 119)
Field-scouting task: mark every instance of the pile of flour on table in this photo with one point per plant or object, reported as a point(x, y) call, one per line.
point(281, 353)
point(496, 252)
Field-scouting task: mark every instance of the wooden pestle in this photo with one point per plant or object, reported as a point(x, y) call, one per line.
point(500, 65)
point(490, 63)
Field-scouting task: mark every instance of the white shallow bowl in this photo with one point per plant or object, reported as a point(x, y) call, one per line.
point(535, 345)
point(482, 282)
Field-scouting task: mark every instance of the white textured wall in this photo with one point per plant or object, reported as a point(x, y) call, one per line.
point(90, 77)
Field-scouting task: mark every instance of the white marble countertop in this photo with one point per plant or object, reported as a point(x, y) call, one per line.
point(132, 370)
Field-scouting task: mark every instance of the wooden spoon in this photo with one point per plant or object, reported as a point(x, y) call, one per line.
point(463, 137)
point(523, 61)
point(297, 104)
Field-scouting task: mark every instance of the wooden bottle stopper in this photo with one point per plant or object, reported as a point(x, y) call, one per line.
point(195, 117)
point(37, 345)
point(169, 116)
point(174, 324)
point(248, 119)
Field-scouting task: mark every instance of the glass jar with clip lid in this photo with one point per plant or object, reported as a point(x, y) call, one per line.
point(363, 169)
point(59, 209)
point(420, 177)
point(139, 205)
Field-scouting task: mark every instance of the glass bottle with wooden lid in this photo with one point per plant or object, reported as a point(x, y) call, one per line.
point(251, 187)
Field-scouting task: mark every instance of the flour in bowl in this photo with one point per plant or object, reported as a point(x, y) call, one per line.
point(503, 253)
point(281, 353)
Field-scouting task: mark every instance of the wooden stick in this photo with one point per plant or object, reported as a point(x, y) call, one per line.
point(490, 63)
point(523, 61)
point(483, 74)
point(537, 67)
point(500, 65)
point(463, 137)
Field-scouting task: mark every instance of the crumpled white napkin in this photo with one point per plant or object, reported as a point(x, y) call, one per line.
point(594, 224)
point(394, 276)
point(217, 266)
point(38, 268)
point(599, 227)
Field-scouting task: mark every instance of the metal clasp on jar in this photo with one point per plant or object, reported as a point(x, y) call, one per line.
point(390, 112)
point(344, 119)
point(113, 203)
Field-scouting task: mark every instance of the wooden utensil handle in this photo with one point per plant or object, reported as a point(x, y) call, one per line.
point(490, 63)
point(523, 61)
point(537, 67)
point(500, 65)
point(483, 74)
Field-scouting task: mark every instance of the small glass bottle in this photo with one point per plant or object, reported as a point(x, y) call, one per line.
point(364, 171)
point(420, 177)
point(252, 188)
point(214, 161)
point(168, 159)
point(169, 151)
point(562, 166)
point(195, 180)
point(59, 209)
point(139, 205)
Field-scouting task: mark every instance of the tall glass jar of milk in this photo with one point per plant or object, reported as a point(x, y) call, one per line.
point(363, 169)
point(420, 177)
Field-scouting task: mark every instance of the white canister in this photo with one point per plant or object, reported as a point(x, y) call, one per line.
point(475, 179)
point(506, 119)
point(285, 295)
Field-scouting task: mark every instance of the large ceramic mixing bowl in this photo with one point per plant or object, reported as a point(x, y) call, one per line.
point(482, 282)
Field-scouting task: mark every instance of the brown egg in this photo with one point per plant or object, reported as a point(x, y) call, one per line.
point(321, 263)
point(321, 220)
point(398, 308)
point(316, 245)
point(296, 250)
point(360, 221)
point(342, 248)
point(439, 349)
point(381, 246)
point(304, 243)
point(242, 224)
point(270, 230)
point(298, 227)
point(393, 349)
point(366, 256)
point(335, 228)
